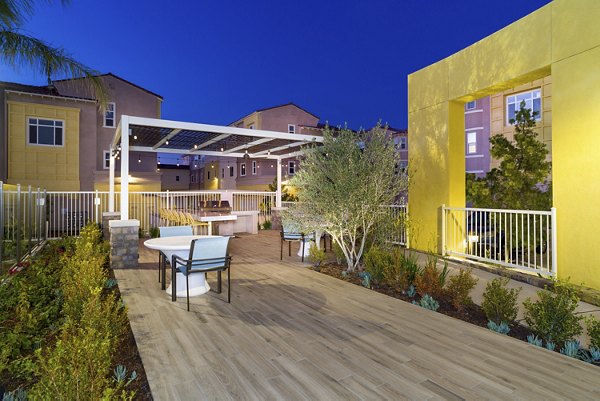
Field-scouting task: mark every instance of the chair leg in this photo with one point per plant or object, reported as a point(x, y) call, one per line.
point(281, 250)
point(187, 288)
point(228, 285)
point(303, 247)
point(173, 281)
point(219, 282)
point(289, 248)
point(159, 266)
point(164, 273)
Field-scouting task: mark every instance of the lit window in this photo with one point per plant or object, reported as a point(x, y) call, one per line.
point(472, 142)
point(533, 102)
point(470, 105)
point(106, 160)
point(231, 171)
point(291, 129)
point(45, 132)
point(243, 169)
point(254, 167)
point(291, 168)
point(109, 115)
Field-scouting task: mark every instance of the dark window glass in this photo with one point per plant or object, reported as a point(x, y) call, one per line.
point(58, 136)
point(176, 178)
point(231, 171)
point(32, 134)
point(45, 135)
point(58, 123)
point(46, 122)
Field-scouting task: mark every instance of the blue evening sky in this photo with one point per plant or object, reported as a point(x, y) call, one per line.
point(216, 61)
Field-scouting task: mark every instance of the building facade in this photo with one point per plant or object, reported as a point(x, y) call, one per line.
point(56, 137)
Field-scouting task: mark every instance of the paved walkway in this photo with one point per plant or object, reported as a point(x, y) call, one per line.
point(292, 333)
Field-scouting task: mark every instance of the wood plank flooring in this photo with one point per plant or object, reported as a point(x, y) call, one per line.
point(295, 334)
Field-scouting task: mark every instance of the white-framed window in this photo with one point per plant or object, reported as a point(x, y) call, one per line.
point(403, 143)
point(109, 115)
point(533, 102)
point(470, 105)
point(253, 167)
point(291, 168)
point(45, 132)
point(231, 171)
point(291, 129)
point(106, 160)
point(243, 169)
point(471, 142)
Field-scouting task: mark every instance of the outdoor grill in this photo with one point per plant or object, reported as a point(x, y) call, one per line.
point(221, 207)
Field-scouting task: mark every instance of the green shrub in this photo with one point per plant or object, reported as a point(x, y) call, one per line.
point(267, 225)
point(316, 255)
point(460, 286)
point(431, 280)
point(410, 266)
point(377, 262)
point(552, 316)
point(593, 331)
point(339, 254)
point(154, 232)
point(499, 302)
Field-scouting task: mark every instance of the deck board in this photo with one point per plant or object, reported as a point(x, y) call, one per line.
point(292, 333)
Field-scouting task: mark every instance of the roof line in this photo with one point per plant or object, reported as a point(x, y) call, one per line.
point(275, 107)
point(117, 77)
point(74, 98)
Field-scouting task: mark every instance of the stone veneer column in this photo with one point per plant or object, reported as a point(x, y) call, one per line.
point(124, 237)
point(106, 217)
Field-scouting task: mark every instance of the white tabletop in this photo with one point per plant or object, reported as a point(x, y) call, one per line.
point(176, 243)
point(215, 217)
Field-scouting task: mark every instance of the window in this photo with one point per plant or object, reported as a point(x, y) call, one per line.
point(471, 142)
point(193, 178)
point(254, 167)
point(176, 178)
point(208, 175)
point(291, 129)
point(291, 168)
point(45, 132)
point(106, 160)
point(243, 169)
point(109, 115)
point(222, 173)
point(533, 102)
point(403, 144)
point(231, 171)
point(470, 105)
point(251, 126)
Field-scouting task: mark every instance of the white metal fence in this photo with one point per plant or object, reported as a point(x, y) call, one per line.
point(254, 200)
point(399, 224)
point(520, 239)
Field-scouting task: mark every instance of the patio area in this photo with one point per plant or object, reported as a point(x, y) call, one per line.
point(292, 333)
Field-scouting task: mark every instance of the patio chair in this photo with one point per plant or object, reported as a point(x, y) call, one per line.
point(289, 234)
point(206, 255)
point(162, 258)
point(193, 222)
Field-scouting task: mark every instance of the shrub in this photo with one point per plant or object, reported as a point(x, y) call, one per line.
point(431, 280)
point(378, 261)
point(499, 302)
point(316, 255)
point(154, 232)
point(410, 267)
point(593, 331)
point(267, 225)
point(552, 316)
point(459, 288)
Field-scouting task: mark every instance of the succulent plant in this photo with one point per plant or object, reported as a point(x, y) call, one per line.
point(411, 292)
point(534, 340)
point(110, 283)
point(571, 348)
point(428, 302)
point(501, 328)
point(550, 345)
point(17, 395)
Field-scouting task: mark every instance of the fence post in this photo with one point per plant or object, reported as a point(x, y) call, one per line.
point(554, 244)
point(96, 206)
point(29, 218)
point(18, 236)
point(406, 226)
point(443, 230)
point(44, 223)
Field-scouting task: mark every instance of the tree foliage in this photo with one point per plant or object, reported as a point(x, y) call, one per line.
point(522, 179)
point(285, 195)
point(343, 184)
point(18, 49)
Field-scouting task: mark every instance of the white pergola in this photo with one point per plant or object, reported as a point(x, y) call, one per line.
point(142, 134)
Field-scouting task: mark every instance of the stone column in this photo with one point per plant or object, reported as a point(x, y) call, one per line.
point(124, 237)
point(106, 217)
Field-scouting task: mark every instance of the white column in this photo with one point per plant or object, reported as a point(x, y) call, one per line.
point(111, 182)
point(124, 168)
point(278, 194)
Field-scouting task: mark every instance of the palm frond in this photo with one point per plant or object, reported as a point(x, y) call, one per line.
point(17, 50)
point(13, 13)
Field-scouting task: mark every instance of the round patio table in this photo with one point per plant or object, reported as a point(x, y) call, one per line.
point(180, 246)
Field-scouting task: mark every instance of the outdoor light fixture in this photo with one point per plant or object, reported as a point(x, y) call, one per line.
point(212, 166)
point(222, 149)
point(178, 162)
point(139, 159)
point(269, 152)
point(167, 142)
point(271, 166)
point(135, 137)
point(159, 160)
point(195, 146)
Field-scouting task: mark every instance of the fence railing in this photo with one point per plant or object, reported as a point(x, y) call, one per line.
point(399, 224)
point(22, 222)
point(520, 239)
point(254, 200)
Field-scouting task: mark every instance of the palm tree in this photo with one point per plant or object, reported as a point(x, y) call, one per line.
point(18, 49)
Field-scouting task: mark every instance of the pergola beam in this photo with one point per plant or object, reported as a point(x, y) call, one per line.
point(209, 142)
point(277, 149)
point(166, 138)
point(248, 145)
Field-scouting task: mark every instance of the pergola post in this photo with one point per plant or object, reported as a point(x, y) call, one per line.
point(125, 167)
point(111, 182)
point(278, 193)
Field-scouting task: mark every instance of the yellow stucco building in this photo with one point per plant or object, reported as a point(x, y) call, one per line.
point(561, 41)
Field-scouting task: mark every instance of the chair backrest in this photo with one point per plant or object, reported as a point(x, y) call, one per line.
point(175, 231)
point(216, 248)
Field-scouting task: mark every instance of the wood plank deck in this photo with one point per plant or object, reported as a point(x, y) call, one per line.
point(292, 333)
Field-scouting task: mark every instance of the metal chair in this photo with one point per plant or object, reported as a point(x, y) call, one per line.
point(162, 258)
point(193, 222)
point(206, 255)
point(288, 234)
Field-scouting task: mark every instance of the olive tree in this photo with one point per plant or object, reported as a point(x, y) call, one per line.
point(343, 184)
